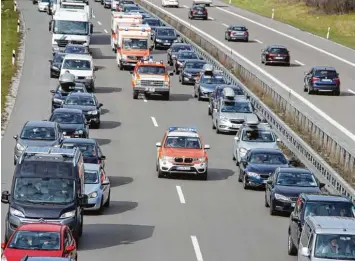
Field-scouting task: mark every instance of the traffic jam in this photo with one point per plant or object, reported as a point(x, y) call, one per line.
point(60, 171)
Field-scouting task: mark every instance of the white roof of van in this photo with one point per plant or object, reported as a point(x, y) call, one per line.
point(71, 15)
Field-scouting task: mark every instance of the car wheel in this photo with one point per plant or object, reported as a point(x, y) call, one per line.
point(240, 178)
point(107, 204)
point(209, 111)
point(166, 96)
point(213, 126)
point(160, 174)
point(292, 250)
point(266, 203)
point(272, 209)
point(337, 93)
point(305, 89)
point(203, 176)
point(310, 91)
point(245, 184)
point(135, 95)
point(234, 157)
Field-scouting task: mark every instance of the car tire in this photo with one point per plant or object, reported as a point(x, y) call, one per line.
point(310, 91)
point(15, 161)
point(272, 209)
point(107, 204)
point(203, 176)
point(291, 248)
point(305, 89)
point(245, 185)
point(135, 95)
point(233, 157)
point(217, 130)
point(209, 111)
point(336, 93)
point(205, 18)
point(266, 203)
point(160, 174)
point(240, 176)
point(166, 96)
point(51, 75)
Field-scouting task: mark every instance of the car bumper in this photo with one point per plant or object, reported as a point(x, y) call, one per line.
point(228, 127)
point(163, 45)
point(193, 169)
point(322, 88)
point(152, 90)
point(199, 16)
point(92, 118)
point(238, 37)
point(285, 61)
point(205, 95)
point(55, 73)
point(283, 206)
point(93, 204)
point(255, 182)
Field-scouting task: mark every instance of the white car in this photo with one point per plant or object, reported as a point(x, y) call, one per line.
point(206, 2)
point(170, 3)
point(43, 5)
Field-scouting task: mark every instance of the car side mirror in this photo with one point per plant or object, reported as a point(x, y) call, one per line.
point(91, 28)
point(105, 182)
point(295, 219)
point(50, 61)
point(207, 147)
point(305, 252)
point(50, 26)
point(5, 197)
point(236, 138)
point(321, 185)
point(158, 144)
point(16, 137)
point(70, 248)
point(305, 73)
point(269, 182)
point(243, 159)
point(96, 68)
point(171, 73)
point(83, 200)
point(103, 157)
point(52, 91)
point(100, 105)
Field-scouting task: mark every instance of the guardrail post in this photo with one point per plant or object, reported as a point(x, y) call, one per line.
point(15, 6)
point(273, 13)
point(328, 33)
point(18, 25)
point(13, 57)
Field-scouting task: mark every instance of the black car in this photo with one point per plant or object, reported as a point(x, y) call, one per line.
point(76, 49)
point(153, 23)
point(56, 64)
point(90, 149)
point(198, 11)
point(86, 102)
point(181, 57)
point(164, 37)
point(236, 32)
point(257, 166)
point(315, 205)
point(276, 54)
point(130, 8)
point(190, 71)
point(72, 122)
point(175, 49)
point(217, 93)
point(61, 93)
point(106, 3)
point(322, 79)
point(122, 3)
point(143, 13)
point(285, 185)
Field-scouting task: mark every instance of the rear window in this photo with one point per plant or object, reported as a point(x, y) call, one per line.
point(326, 73)
point(279, 50)
point(199, 8)
point(238, 28)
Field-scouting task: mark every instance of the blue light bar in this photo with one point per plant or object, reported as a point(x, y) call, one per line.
point(182, 129)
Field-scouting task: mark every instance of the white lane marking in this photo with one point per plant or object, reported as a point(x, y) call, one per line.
point(278, 82)
point(351, 91)
point(196, 248)
point(260, 42)
point(154, 122)
point(105, 31)
point(211, 18)
point(302, 64)
point(180, 194)
point(289, 36)
point(93, 16)
point(185, 6)
point(99, 22)
point(226, 25)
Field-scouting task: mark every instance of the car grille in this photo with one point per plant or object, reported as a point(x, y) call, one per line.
point(69, 132)
point(134, 57)
point(263, 176)
point(63, 43)
point(237, 121)
point(80, 77)
point(152, 83)
point(293, 199)
point(185, 160)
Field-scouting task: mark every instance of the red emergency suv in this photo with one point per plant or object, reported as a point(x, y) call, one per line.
point(40, 239)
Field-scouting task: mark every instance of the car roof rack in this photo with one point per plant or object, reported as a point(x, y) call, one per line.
point(182, 129)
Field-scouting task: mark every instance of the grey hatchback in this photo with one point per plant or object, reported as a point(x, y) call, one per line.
point(37, 134)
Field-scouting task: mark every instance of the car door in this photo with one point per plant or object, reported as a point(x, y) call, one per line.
point(105, 188)
point(296, 221)
point(269, 187)
point(159, 150)
point(236, 142)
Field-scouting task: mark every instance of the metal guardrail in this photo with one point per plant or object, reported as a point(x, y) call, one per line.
point(214, 55)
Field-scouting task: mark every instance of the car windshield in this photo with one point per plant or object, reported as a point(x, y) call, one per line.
point(183, 142)
point(67, 118)
point(128, 9)
point(194, 65)
point(88, 150)
point(238, 28)
point(326, 73)
point(216, 79)
point(296, 179)
point(45, 190)
point(176, 49)
point(258, 136)
point(335, 209)
point(187, 55)
point(278, 51)
point(76, 49)
point(70, 27)
point(166, 32)
point(83, 101)
point(79, 87)
point(58, 58)
point(35, 240)
point(152, 22)
point(74, 64)
point(335, 246)
point(129, 43)
point(146, 69)
point(38, 133)
point(237, 107)
point(91, 177)
point(267, 158)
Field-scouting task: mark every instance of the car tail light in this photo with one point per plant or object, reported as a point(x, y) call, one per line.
point(229, 33)
point(205, 12)
point(271, 55)
point(315, 79)
point(194, 11)
point(246, 33)
point(337, 80)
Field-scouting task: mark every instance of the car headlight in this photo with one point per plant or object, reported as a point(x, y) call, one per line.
point(199, 159)
point(93, 112)
point(138, 82)
point(281, 197)
point(68, 214)
point(15, 212)
point(55, 68)
point(20, 146)
point(123, 57)
point(223, 118)
point(243, 151)
point(167, 158)
point(187, 74)
point(166, 83)
point(158, 40)
point(79, 132)
point(56, 100)
point(253, 174)
point(89, 77)
point(93, 194)
point(3, 258)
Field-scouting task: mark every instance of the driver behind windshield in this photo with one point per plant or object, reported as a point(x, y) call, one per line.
point(67, 118)
point(38, 133)
point(151, 70)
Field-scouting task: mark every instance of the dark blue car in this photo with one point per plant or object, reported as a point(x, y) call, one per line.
point(258, 165)
point(61, 93)
point(322, 79)
point(285, 185)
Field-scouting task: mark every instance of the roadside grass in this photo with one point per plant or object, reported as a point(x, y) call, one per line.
point(305, 18)
point(9, 41)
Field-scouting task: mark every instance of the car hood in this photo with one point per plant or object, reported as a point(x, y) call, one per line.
point(18, 254)
point(92, 160)
point(38, 143)
point(79, 73)
point(264, 168)
point(166, 37)
point(71, 127)
point(192, 70)
point(239, 116)
point(258, 145)
point(50, 211)
point(80, 107)
point(191, 153)
point(289, 191)
point(58, 65)
point(89, 188)
point(208, 87)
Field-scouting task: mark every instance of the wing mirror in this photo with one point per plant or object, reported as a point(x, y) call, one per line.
point(16, 137)
point(5, 195)
point(236, 138)
point(321, 185)
point(207, 147)
point(305, 252)
point(158, 144)
point(70, 248)
point(278, 140)
point(50, 61)
point(100, 105)
point(171, 73)
point(3, 245)
point(103, 157)
point(52, 91)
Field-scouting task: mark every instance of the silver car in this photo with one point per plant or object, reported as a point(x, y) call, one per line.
point(253, 136)
point(229, 116)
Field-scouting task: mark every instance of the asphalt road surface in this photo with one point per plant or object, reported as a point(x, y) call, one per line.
point(303, 57)
point(149, 218)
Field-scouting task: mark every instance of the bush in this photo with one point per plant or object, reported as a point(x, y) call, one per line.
point(332, 6)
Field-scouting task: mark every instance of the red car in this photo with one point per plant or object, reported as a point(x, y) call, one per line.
point(40, 239)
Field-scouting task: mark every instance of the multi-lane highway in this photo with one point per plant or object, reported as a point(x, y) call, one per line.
point(306, 51)
point(150, 218)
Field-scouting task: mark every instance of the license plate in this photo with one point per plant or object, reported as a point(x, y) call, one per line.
point(183, 168)
point(326, 80)
point(200, 13)
point(279, 58)
point(150, 89)
point(240, 33)
point(235, 126)
point(293, 204)
point(67, 137)
point(166, 43)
